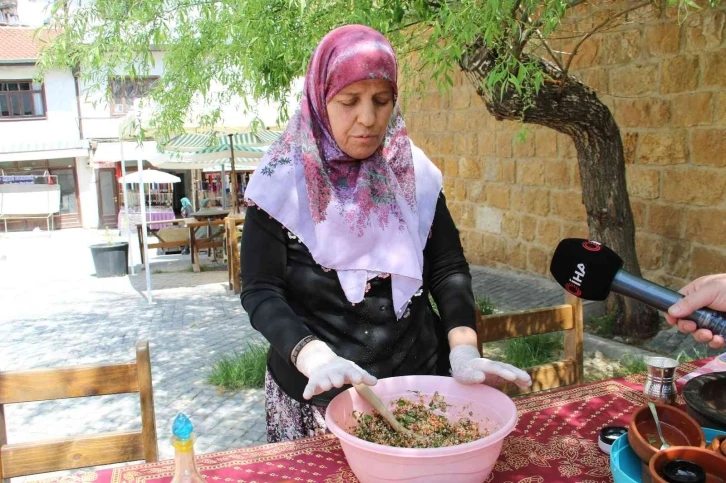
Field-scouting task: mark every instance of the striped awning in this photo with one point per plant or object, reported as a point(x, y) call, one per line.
point(240, 164)
point(50, 149)
point(196, 151)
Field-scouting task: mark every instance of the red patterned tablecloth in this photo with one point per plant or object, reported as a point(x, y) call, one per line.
point(555, 441)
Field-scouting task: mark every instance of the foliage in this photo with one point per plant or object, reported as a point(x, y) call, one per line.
point(486, 306)
point(601, 325)
point(238, 371)
point(630, 365)
point(533, 350)
point(217, 49)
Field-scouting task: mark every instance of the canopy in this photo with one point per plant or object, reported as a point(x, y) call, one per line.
point(149, 176)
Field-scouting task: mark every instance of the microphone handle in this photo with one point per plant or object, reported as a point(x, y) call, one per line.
point(625, 283)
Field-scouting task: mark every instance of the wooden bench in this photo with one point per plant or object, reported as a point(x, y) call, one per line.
point(29, 201)
point(567, 317)
point(174, 239)
point(213, 240)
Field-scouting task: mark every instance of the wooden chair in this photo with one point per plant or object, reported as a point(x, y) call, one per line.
point(231, 236)
point(87, 450)
point(567, 318)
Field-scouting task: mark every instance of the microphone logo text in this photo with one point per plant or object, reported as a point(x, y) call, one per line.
point(575, 282)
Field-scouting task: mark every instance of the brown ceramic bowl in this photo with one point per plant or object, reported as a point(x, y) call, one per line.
point(713, 464)
point(679, 429)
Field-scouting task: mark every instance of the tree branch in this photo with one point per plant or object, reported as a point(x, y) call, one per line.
point(550, 51)
point(598, 27)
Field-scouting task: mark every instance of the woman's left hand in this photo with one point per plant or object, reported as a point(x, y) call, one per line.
point(468, 367)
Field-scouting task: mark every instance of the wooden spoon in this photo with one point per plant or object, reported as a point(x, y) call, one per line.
point(370, 396)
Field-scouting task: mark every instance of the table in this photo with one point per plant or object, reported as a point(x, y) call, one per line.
point(152, 214)
point(555, 440)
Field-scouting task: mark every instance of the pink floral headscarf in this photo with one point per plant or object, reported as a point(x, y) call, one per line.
point(361, 218)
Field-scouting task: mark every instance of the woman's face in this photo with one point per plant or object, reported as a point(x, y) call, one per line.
point(359, 115)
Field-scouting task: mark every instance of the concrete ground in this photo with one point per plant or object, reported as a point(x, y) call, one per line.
point(55, 312)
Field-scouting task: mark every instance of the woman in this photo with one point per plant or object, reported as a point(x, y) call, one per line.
point(186, 208)
point(349, 236)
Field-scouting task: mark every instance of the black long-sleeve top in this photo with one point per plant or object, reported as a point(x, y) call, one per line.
point(288, 297)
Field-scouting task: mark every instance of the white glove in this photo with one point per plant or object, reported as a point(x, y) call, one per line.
point(468, 367)
point(326, 370)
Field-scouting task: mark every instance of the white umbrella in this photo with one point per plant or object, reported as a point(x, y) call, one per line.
point(150, 176)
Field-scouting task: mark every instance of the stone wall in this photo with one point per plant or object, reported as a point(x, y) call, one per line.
point(514, 199)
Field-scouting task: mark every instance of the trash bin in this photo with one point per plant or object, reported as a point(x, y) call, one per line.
point(110, 259)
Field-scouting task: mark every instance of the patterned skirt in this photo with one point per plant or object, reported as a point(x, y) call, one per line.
point(288, 419)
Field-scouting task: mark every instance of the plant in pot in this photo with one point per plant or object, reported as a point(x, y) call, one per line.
point(111, 259)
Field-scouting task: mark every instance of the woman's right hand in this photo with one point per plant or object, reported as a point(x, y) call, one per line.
point(708, 291)
point(325, 370)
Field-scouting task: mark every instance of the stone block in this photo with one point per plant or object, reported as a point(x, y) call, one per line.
point(465, 144)
point(461, 98)
point(494, 247)
point(640, 210)
point(532, 201)
point(679, 74)
point(630, 144)
point(693, 109)
point(677, 258)
point(568, 205)
point(704, 31)
point(707, 261)
point(665, 220)
point(437, 121)
point(486, 145)
point(557, 173)
point(575, 230)
point(548, 232)
point(662, 147)
point(517, 255)
point(528, 228)
point(622, 47)
point(643, 182)
point(523, 146)
point(497, 196)
point(708, 147)
point(633, 80)
point(446, 143)
point(468, 216)
point(432, 101)
point(597, 80)
point(650, 251)
point(546, 142)
point(504, 144)
point(459, 190)
point(538, 260)
point(451, 167)
point(489, 219)
point(493, 170)
point(469, 168)
point(462, 121)
point(648, 112)
point(511, 223)
point(509, 171)
point(662, 38)
point(707, 226)
point(530, 172)
point(476, 192)
point(721, 109)
point(565, 147)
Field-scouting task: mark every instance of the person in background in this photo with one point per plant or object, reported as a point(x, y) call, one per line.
point(186, 212)
point(346, 234)
point(708, 291)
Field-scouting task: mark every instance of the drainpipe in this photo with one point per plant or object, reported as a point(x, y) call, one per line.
point(76, 79)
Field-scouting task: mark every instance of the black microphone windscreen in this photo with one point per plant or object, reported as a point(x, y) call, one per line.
point(585, 268)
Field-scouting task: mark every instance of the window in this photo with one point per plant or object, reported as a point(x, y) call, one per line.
point(21, 99)
point(126, 93)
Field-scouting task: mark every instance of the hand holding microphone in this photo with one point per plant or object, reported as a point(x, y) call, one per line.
point(708, 291)
point(590, 270)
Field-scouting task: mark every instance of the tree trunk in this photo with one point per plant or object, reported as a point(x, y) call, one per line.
point(572, 108)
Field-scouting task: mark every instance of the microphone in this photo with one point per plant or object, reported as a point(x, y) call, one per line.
point(590, 270)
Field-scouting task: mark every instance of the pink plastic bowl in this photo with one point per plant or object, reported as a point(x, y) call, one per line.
point(464, 463)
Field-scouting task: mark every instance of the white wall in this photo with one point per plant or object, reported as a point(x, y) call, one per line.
point(61, 108)
point(87, 193)
point(98, 123)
